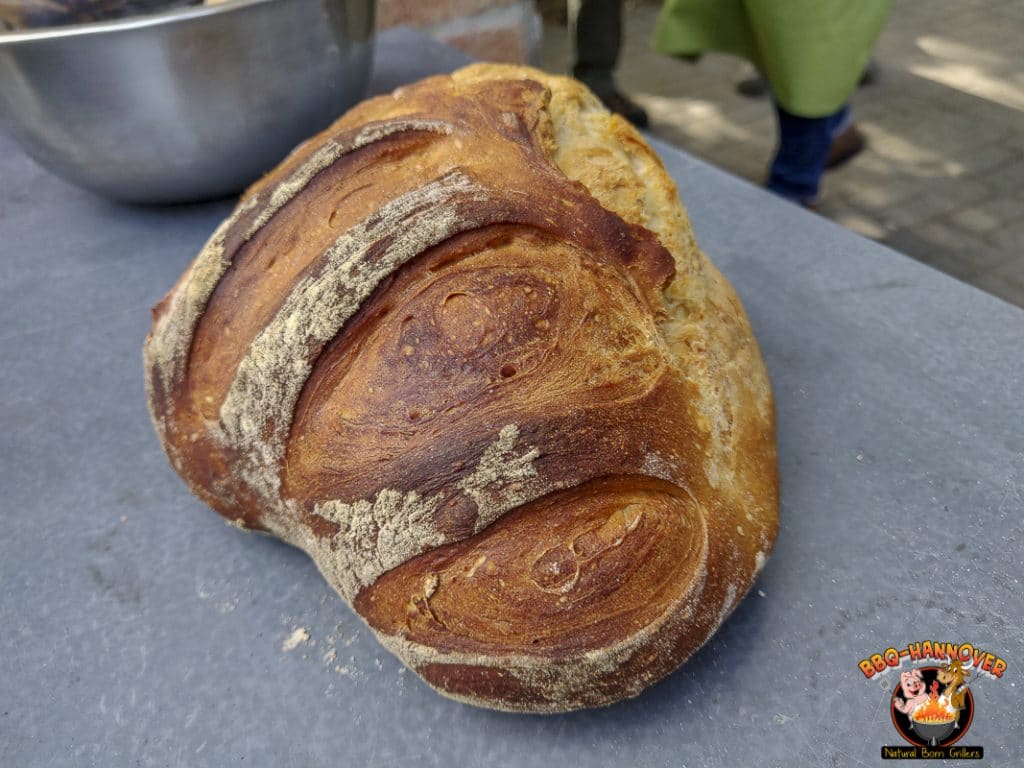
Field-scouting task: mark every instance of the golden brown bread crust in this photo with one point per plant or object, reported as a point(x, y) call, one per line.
point(462, 348)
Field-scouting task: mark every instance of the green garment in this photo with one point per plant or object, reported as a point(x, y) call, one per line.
point(813, 52)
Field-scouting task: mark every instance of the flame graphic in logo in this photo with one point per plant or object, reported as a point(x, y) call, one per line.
point(935, 711)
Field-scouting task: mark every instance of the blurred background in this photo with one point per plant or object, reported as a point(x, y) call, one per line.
point(942, 175)
point(941, 113)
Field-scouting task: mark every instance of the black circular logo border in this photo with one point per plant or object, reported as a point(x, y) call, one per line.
point(901, 722)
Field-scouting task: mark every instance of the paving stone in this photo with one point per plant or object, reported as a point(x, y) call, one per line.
point(862, 223)
point(1010, 238)
point(1008, 180)
point(976, 219)
point(988, 158)
point(937, 199)
point(877, 194)
point(989, 215)
point(999, 285)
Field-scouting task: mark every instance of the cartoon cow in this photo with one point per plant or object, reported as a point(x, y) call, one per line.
point(952, 676)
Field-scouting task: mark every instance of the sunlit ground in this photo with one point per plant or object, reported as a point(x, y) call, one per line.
point(943, 177)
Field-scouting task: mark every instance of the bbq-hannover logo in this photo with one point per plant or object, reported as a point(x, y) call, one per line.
point(932, 705)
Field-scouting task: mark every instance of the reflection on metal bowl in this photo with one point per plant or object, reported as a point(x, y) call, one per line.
point(190, 104)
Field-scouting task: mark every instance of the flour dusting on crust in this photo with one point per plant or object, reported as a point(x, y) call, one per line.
point(257, 413)
point(171, 338)
point(568, 681)
point(655, 466)
point(502, 480)
point(329, 154)
point(374, 537)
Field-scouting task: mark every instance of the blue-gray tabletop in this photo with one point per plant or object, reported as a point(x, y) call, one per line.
point(137, 629)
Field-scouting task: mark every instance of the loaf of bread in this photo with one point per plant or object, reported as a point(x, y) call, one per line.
point(463, 350)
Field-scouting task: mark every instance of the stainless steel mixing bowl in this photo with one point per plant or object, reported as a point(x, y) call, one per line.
point(186, 105)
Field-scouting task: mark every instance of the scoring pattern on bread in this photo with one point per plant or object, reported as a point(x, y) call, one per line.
point(462, 349)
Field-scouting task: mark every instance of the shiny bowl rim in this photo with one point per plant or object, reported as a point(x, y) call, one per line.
point(143, 21)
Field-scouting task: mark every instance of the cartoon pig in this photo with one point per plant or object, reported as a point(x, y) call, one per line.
point(912, 687)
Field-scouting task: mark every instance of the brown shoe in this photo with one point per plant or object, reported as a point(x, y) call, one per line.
point(845, 146)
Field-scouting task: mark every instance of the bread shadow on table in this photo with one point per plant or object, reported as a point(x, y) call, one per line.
point(680, 700)
point(719, 666)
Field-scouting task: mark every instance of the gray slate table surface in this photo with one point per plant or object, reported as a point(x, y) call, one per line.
point(137, 629)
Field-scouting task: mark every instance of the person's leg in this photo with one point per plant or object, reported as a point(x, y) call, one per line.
point(804, 144)
point(597, 37)
point(598, 25)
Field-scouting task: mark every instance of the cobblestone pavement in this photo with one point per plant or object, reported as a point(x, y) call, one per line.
point(943, 176)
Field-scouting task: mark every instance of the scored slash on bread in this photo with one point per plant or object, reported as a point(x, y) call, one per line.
point(463, 350)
